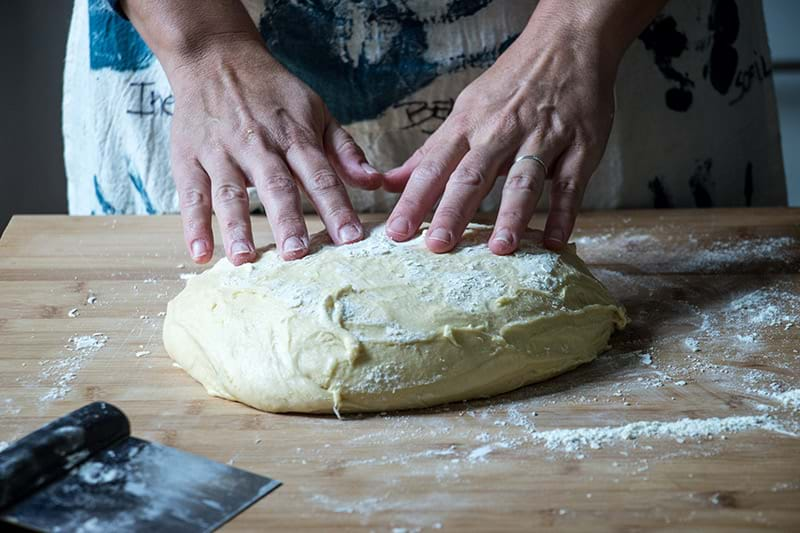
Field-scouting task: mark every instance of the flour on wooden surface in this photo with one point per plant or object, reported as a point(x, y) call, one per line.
point(713, 256)
point(451, 444)
point(572, 440)
point(714, 339)
point(764, 307)
point(61, 372)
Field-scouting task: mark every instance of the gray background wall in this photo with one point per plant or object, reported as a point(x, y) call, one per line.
point(33, 35)
point(783, 25)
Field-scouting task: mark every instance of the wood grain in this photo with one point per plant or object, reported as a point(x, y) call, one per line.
point(678, 273)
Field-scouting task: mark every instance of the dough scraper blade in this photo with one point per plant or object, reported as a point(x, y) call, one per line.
point(84, 472)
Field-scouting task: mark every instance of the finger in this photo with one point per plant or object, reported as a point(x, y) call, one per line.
point(279, 193)
point(232, 207)
point(325, 190)
point(521, 193)
point(395, 180)
point(465, 189)
point(194, 197)
point(424, 187)
point(349, 160)
point(566, 193)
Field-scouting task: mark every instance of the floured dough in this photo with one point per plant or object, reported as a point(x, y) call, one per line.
point(379, 325)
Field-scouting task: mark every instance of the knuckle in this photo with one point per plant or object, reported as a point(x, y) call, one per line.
point(214, 146)
point(279, 184)
point(192, 198)
point(346, 145)
point(583, 146)
point(181, 152)
point(428, 171)
point(324, 180)
point(568, 188)
point(522, 182)
point(300, 138)
point(288, 134)
point(468, 177)
point(248, 132)
point(506, 128)
point(230, 193)
point(258, 144)
point(460, 121)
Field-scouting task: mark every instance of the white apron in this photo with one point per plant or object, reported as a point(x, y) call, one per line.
point(696, 121)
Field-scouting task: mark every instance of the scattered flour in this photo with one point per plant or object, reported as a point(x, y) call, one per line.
point(364, 506)
point(746, 339)
point(686, 255)
point(789, 399)
point(692, 344)
point(572, 440)
point(745, 250)
point(767, 307)
point(60, 373)
point(84, 343)
point(479, 454)
point(95, 473)
point(9, 407)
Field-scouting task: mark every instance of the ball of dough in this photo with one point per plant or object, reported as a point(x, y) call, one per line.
point(379, 325)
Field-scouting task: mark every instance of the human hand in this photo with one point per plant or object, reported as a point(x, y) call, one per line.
point(549, 95)
point(241, 119)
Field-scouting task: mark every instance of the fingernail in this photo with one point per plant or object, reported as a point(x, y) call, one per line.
point(293, 244)
point(369, 169)
point(440, 234)
point(349, 233)
point(199, 248)
point(504, 236)
point(241, 248)
point(400, 226)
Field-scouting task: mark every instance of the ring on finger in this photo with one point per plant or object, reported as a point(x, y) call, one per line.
point(535, 159)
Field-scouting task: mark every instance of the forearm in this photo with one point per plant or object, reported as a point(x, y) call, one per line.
point(181, 31)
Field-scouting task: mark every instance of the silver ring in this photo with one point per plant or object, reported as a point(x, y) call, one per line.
point(538, 160)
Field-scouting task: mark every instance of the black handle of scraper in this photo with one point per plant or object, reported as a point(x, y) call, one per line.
point(50, 452)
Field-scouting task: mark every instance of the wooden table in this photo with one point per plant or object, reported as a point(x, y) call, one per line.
point(714, 297)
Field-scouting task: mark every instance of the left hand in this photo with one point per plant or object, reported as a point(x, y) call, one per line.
point(549, 95)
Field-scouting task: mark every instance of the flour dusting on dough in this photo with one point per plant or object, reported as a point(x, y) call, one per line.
point(383, 325)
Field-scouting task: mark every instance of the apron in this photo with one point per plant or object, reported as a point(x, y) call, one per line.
point(695, 125)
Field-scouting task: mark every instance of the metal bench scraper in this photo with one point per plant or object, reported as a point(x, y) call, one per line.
point(84, 472)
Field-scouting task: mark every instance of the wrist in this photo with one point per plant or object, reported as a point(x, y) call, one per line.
point(183, 33)
point(213, 55)
point(602, 30)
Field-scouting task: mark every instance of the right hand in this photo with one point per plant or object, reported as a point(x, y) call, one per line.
point(242, 119)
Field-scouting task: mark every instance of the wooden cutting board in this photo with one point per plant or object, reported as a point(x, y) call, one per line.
point(714, 296)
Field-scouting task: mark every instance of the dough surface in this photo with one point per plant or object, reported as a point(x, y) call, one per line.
point(379, 325)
